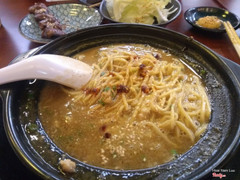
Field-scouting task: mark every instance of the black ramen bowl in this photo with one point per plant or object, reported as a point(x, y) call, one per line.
point(193, 14)
point(212, 151)
point(174, 4)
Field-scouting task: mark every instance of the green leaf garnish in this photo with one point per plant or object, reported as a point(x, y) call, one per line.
point(101, 102)
point(174, 152)
point(203, 73)
point(32, 127)
point(102, 73)
point(106, 89)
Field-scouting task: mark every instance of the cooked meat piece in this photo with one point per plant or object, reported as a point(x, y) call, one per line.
point(38, 8)
point(49, 24)
point(146, 89)
point(51, 32)
point(68, 166)
point(122, 89)
point(142, 70)
point(94, 91)
point(43, 16)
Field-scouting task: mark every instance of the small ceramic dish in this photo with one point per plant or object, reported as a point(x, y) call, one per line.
point(193, 14)
point(175, 4)
point(72, 16)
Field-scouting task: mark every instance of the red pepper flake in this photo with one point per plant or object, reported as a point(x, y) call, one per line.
point(142, 70)
point(122, 89)
point(142, 66)
point(135, 57)
point(94, 91)
point(103, 128)
point(107, 135)
point(146, 89)
point(157, 56)
point(111, 74)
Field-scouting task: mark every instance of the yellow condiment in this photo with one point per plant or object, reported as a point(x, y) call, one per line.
point(211, 22)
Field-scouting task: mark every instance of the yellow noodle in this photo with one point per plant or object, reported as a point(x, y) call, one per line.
point(186, 130)
point(200, 130)
point(158, 93)
point(187, 118)
point(125, 101)
point(157, 130)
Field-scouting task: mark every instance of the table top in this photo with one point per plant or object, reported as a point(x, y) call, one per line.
point(12, 43)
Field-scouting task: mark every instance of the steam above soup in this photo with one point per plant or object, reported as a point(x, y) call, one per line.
point(143, 107)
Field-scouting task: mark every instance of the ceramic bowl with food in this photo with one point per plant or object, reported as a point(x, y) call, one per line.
point(72, 17)
point(28, 106)
point(152, 14)
point(210, 18)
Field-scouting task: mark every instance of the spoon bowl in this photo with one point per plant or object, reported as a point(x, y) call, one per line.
point(60, 69)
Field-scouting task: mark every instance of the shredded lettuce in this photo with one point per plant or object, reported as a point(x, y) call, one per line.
point(139, 11)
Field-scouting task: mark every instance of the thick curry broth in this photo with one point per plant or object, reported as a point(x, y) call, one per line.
point(115, 144)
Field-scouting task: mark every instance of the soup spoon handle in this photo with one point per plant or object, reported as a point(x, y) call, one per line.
point(60, 69)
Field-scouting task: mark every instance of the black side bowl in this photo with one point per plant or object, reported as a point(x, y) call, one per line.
point(193, 14)
point(218, 144)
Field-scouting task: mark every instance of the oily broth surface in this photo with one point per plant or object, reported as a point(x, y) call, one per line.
point(86, 135)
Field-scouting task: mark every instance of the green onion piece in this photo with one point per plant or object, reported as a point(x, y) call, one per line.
point(31, 95)
point(32, 127)
point(102, 73)
point(106, 89)
point(203, 73)
point(174, 152)
point(113, 95)
point(101, 102)
point(114, 88)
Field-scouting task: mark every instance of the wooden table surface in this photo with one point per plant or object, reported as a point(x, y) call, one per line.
point(12, 43)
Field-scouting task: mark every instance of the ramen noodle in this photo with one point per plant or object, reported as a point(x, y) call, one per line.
point(143, 107)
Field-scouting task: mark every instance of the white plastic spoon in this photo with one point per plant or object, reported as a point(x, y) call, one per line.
point(60, 69)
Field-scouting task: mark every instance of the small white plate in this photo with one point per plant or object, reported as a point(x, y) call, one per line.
point(72, 16)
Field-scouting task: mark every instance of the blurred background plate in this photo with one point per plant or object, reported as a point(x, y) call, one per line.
point(72, 16)
point(89, 2)
point(193, 14)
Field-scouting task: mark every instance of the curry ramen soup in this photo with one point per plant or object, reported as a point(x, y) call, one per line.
point(142, 107)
